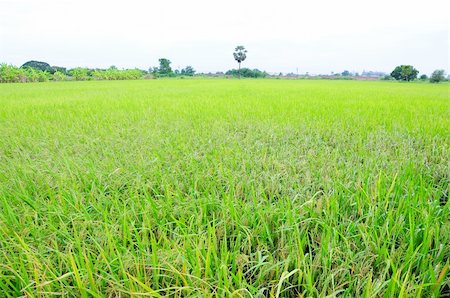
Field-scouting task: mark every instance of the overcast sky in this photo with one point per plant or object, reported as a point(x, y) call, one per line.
point(281, 36)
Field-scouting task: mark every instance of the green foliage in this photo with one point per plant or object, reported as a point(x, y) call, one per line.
point(240, 54)
point(43, 76)
point(62, 70)
point(79, 73)
point(38, 65)
point(387, 78)
point(10, 73)
point(13, 74)
point(33, 74)
point(59, 76)
point(437, 76)
point(404, 73)
point(154, 71)
point(164, 69)
point(188, 71)
point(113, 73)
point(247, 73)
point(346, 73)
point(219, 188)
point(423, 77)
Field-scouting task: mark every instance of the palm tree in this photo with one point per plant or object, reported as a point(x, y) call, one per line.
point(240, 53)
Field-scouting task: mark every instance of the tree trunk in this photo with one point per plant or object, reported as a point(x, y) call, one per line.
point(239, 71)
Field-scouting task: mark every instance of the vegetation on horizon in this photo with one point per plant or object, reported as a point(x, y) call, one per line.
point(405, 73)
point(37, 71)
point(437, 76)
point(247, 73)
point(240, 54)
point(165, 70)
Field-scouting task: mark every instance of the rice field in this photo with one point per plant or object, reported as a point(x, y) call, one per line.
point(228, 188)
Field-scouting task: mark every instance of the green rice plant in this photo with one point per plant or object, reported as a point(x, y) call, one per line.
point(215, 187)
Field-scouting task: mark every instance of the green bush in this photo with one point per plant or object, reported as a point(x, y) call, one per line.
point(13, 74)
point(188, 71)
point(9, 73)
point(113, 73)
point(63, 70)
point(247, 73)
point(404, 73)
point(79, 73)
point(59, 76)
point(437, 76)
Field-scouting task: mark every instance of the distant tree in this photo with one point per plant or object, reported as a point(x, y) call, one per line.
point(247, 73)
point(423, 77)
point(188, 71)
point(113, 73)
point(240, 54)
point(59, 76)
point(60, 69)
point(43, 76)
point(404, 73)
point(154, 71)
point(437, 76)
point(345, 73)
point(79, 73)
point(10, 73)
point(29, 74)
point(38, 65)
point(13, 74)
point(164, 68)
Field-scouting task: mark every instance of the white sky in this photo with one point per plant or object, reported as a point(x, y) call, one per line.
point(280, 36)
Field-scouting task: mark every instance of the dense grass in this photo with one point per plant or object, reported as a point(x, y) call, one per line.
point(224, 187)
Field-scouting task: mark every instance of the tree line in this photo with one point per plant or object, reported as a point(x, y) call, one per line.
point(37, 71)
point(408, 73)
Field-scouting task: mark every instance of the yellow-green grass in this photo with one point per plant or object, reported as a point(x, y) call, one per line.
point(249, 188)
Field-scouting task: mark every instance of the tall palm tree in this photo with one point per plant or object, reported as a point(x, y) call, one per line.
point(240, 53)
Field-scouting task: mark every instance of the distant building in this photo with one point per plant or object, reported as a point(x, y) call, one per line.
point(373, 74)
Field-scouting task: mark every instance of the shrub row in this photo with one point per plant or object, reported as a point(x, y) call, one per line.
point(13, 74)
